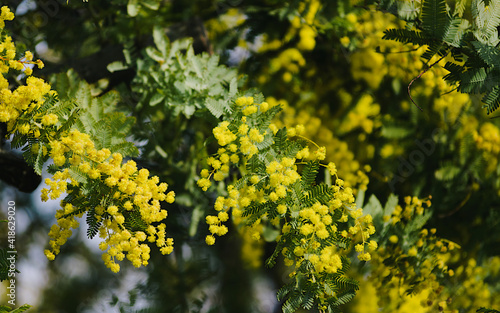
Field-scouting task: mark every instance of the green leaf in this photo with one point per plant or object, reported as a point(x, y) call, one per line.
point(116, 66)
point(233, 87)
point(373, 207)
point(6, 309)
point(156, 99)
point(455, 31)
point(406, 36)
point(434, 18)
point(309, 174)
point(161, 40)
point(487, 310)
point(391, 204)
point(396, 132)
point(270, 233)
point(489, 54)
point(133, 7)
point(473, 81)
point(151, 4)
point(197, 215)
point(447, 173)
point(418, 222)
point(4, 265)
point(486, 21)
point(40, 160)
point(216, 107)
point(155, 54)
point(492, 99)
point(360, 198)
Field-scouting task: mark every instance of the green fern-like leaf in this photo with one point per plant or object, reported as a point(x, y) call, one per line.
point(342, 242)
point(93, 224)
point(345, 298)
point(489, 54)
point(487, 310)
point(473, 80)
point(346, 283)
point(284, 291)
point(4, 265)
point(70, 121)
point(459, 8)
point(308, 301)
point(216, 106)
point(455, 70)
point(291, 305)
point(6, 309)
point(492, 99)
point(486, 21)
point(318, 193)
point(22, 308)
point(94, 116)
point(435, 47)
point(267, 142)
point(455, 31)
point(255, 165)
point(133, 221)
point(271, 261)
point(434, 18)
point(407, 36)
point(309, 174)
point(280, 139)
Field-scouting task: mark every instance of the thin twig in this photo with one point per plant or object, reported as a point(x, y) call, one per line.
point(391, 52)
point(414, 79)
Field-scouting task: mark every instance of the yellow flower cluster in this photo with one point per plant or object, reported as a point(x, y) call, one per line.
point(129, 190)
point(280, 176)
point(289, 60)
point(413, 206)
point(66, 220)
point(239, 139)
point(124, 193)
point(472, 287)
point(319, 222)
point(451, 105)
point(487, 140)
point(216, 228)
point(361, 116)
point(5, 15)
point(222, 23)
point(338, 151)
point(467, 290)
point(401, 266)
point(304, 25)
point(24, 98)
point(8, 49)
point(272, 186)
point(316, 224)
point(252, 249)
point(371, 66)
point(376, 58)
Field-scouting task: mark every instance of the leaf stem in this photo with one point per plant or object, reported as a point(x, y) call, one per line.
point(419, 75)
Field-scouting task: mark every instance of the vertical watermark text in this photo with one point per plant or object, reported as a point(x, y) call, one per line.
point(11, 251)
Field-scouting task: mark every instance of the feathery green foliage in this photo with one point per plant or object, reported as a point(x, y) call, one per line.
point(473, 40)
point(7, 309)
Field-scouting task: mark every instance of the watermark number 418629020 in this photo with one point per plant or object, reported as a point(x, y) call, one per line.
point(11, 252)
